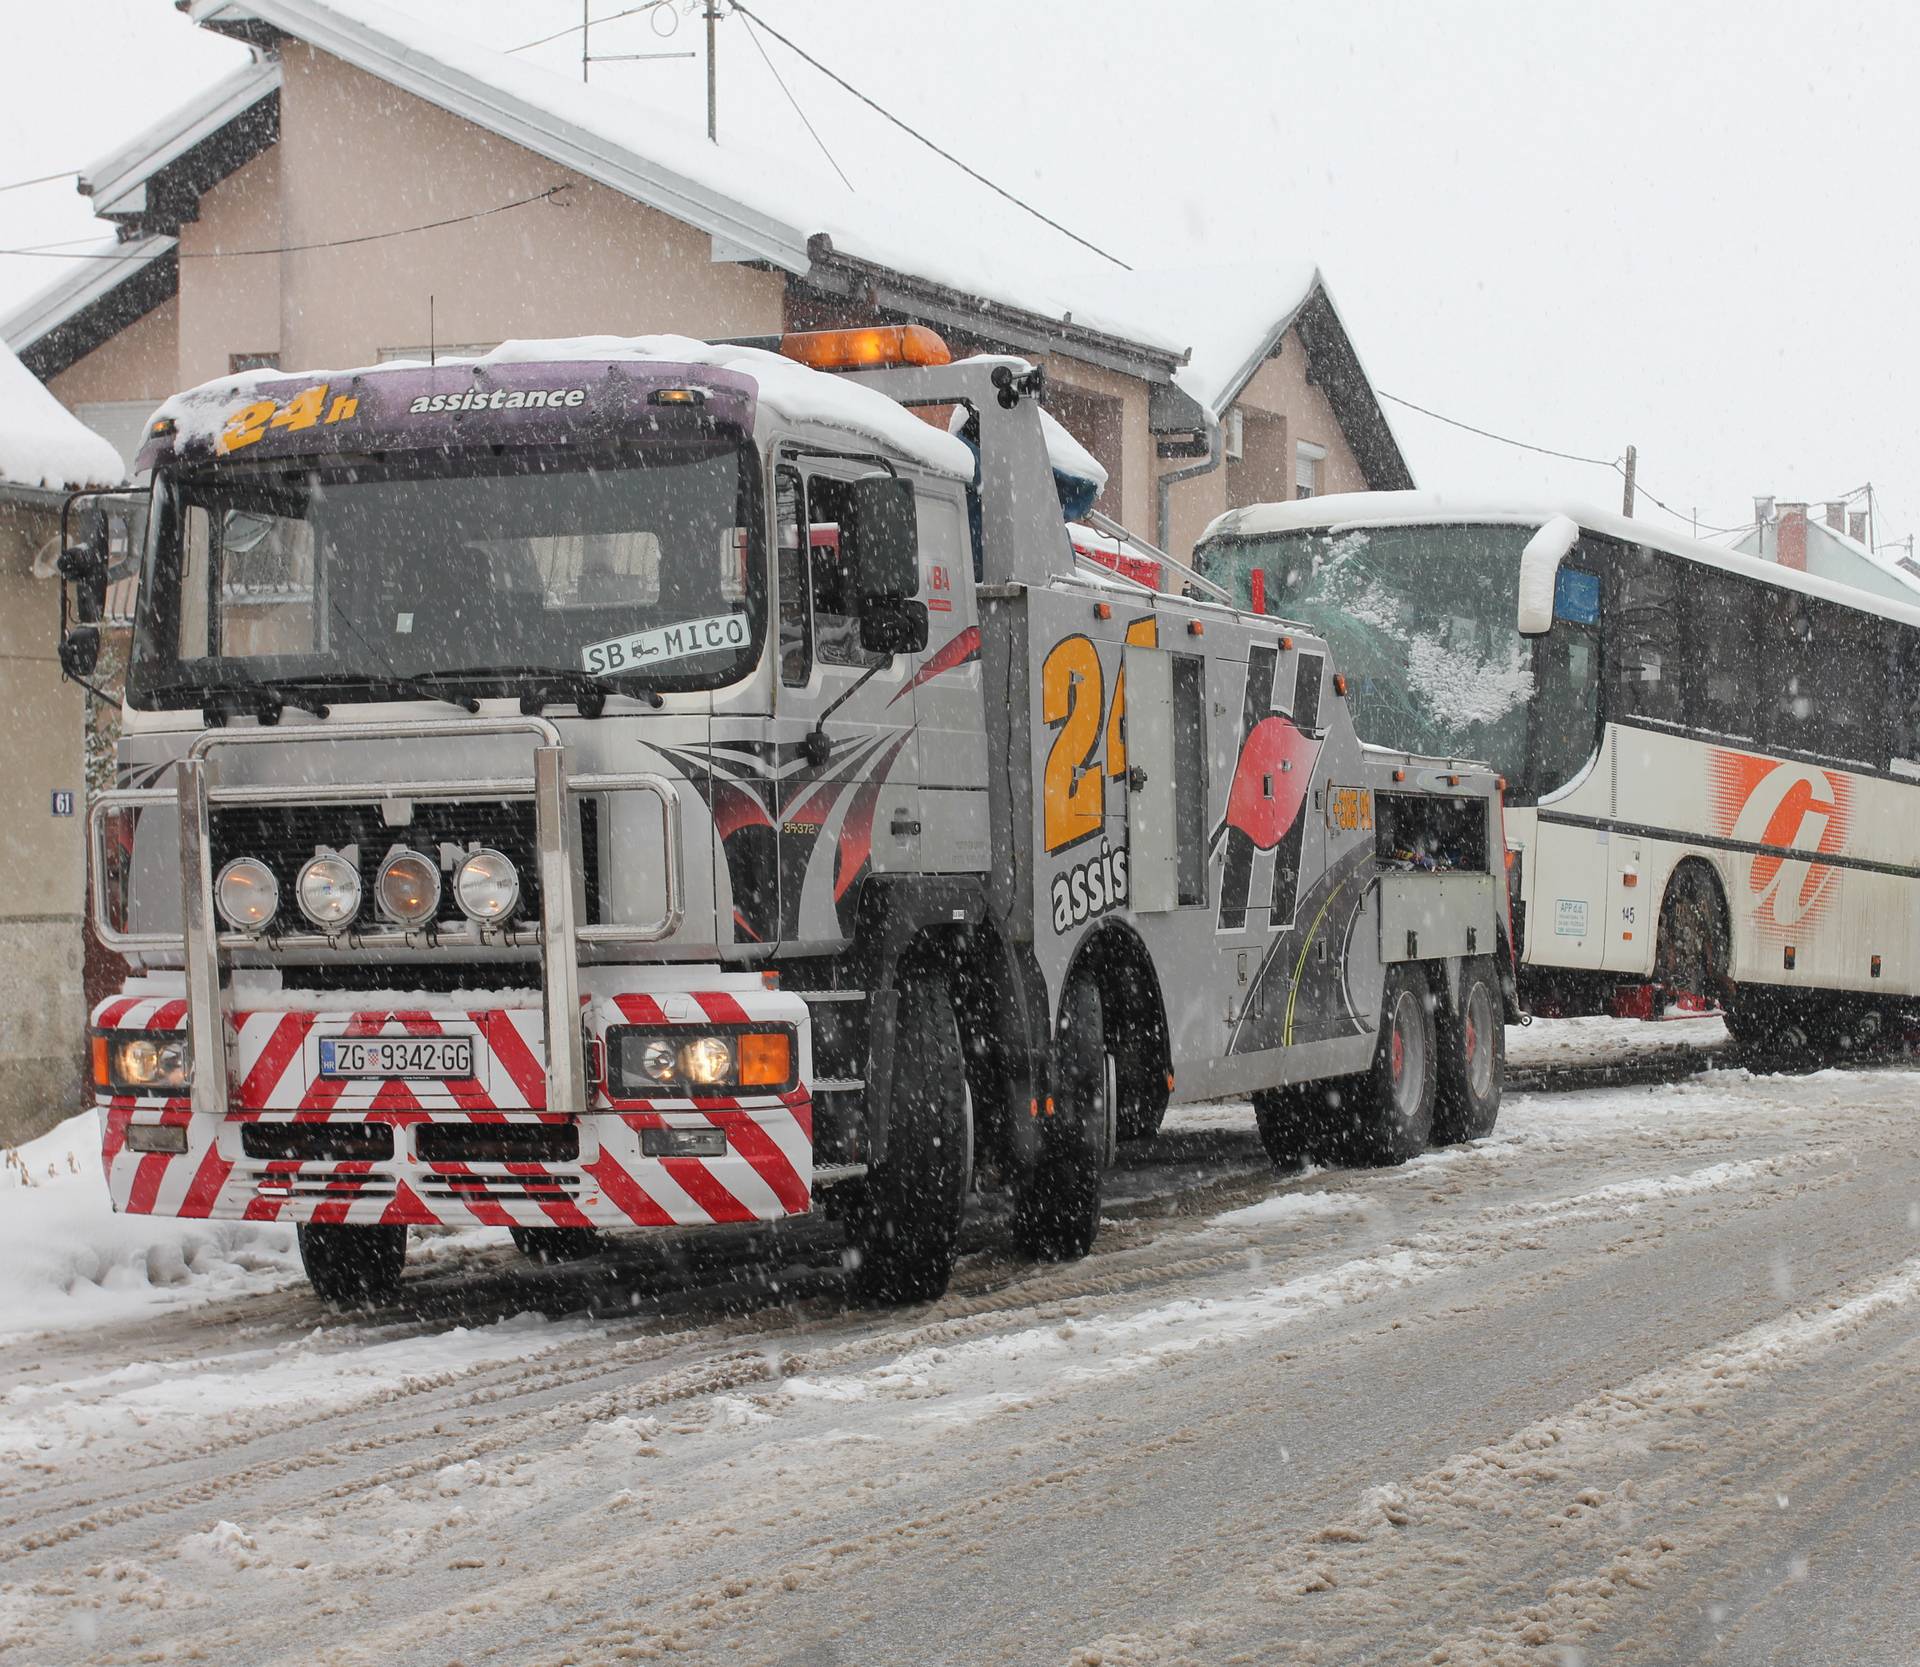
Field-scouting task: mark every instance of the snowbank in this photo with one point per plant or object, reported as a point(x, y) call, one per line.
point(66, 1260)
point(42, 443)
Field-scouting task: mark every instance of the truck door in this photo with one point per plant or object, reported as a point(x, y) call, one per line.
point(856, 810)
point(1166, 778)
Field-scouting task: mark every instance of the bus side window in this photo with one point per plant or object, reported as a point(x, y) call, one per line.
point(1722, 698)
point(1645, 643)
point(1852, 716)
point(1903, 691)
point(796, 592)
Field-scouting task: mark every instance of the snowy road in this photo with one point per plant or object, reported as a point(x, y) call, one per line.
point(1634, 1381)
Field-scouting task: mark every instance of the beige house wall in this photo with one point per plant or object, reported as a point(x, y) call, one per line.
point(231, 304)
point(1119, 438)
point(603, 263)
point(42, 1004)
point(1279, 408)
point(141, 362)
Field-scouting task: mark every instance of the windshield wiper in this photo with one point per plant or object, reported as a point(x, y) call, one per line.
point(421, 685)
point(239, 697)
point(541, 686)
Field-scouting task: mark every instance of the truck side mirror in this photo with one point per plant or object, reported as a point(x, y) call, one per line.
point(84, 566)
point(880, 539)
point(79, 651)
point(893, 625)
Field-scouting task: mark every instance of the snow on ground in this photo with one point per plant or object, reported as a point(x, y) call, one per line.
point(1595, 1040)
point(1291, 1206)
point(67, 1260)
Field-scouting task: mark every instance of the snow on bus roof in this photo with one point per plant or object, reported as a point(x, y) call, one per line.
point(1353, 511)
point(793, 391)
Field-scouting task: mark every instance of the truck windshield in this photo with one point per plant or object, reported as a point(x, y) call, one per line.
point(1421, 619)
point(475, 572)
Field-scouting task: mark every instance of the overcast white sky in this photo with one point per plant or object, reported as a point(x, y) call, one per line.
point(1582, 225)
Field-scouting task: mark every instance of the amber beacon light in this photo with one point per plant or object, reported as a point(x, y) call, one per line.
point(867, 349)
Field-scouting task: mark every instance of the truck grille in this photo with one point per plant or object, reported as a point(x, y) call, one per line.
point(285, 836)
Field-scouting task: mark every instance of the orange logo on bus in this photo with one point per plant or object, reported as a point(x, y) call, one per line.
point(1763, 801)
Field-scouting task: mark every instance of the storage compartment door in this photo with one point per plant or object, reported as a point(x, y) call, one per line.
point(1153, 880)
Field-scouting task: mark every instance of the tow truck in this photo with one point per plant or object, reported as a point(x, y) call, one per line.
point(652, 783)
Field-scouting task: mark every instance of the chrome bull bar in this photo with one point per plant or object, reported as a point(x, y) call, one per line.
point(551, 787)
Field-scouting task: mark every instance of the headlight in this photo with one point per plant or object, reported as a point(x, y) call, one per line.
point(328, 890)
point(247, 895)
point(158, 1062)
point(697, 1062)
point(409, 888)
point(487, 887)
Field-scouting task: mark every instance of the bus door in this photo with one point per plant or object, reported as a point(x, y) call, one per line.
point(1565, 881)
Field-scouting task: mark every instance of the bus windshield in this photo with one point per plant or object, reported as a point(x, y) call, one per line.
point(1421, 619)
point(354, 573)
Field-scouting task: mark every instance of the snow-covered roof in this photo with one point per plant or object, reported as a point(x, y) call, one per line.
point(1756, 541)
point(1347, 511)
point(43, 445)
point(117, 181)
point(100, 269)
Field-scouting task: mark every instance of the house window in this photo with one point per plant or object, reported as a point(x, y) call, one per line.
point(237, 362)
point(1307, 458)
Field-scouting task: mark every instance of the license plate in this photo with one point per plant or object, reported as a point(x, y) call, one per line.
point(397, 1056)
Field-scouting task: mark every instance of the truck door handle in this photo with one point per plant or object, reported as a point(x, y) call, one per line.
point(905, 827)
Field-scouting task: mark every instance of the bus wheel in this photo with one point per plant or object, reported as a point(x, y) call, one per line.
point(1690, 956)
point(353, 1266)
point(555, 1244)
point(1391, 1104)
point(1057, 1207)
point(904, 1226)
point(1472, 1057)
point(1293, 1120)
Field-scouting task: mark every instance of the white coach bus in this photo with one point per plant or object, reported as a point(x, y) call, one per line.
point(1712, 762)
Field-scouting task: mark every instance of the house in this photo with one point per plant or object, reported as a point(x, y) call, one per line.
point(1838, 547)
point(45, 452)
point(280, 218)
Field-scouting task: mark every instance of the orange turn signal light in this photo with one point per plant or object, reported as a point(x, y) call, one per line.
point(766, 1059)
point(102, 1078)
point(867, 349)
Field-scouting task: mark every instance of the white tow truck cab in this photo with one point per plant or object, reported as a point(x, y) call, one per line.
point(651, 783)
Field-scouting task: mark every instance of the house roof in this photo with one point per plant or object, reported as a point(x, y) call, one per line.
point(1198, 333)
point(43, 446)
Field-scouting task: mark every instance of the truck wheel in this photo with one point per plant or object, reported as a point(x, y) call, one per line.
point(353, 1266)
point(1292, 1121)
point(555, 1244)
point(1057, 1208)
point(1143, 1095)
point(904, 1228)
point(1472, 1057)
point(1391, 1104)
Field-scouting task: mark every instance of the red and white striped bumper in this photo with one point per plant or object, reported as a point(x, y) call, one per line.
point(495, 1155)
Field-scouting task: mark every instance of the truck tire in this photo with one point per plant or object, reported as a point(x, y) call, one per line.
point(1144, 1092)
point(1057, 1208)
point(1390, 1105)
point(904, 1227)
point(1472, 1057)
point(1292, 1121)
point(354, 1266)
point(556, 1244)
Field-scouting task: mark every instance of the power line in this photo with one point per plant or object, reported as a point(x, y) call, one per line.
point(550, 194)
point(576, 28)
point(1505, 440)
point(43, 179)
point(753, 36)
point(914, 133)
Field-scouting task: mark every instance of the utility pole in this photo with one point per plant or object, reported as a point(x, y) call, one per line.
point(713, 76)
point(1626, 505)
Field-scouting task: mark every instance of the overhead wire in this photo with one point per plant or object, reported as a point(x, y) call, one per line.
point(753, 36)
point(914, 133)
point(1504, 439)
point(42, 179)
point(550, 194)
point(592, 22)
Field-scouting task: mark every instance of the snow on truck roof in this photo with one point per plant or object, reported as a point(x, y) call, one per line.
point(745, 375)
point(1355, 511)
point(43, 445)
